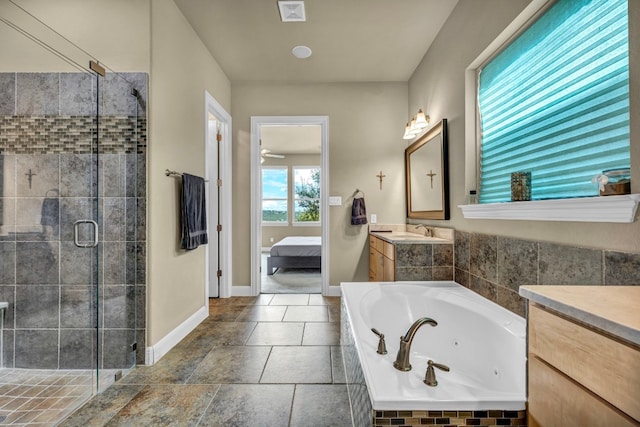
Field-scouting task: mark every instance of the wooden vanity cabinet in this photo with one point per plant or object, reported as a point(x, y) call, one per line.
point(579, 376)
point(381, 260)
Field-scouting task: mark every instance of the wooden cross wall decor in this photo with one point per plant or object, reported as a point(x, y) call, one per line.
point(381, 176)
point(431, 174)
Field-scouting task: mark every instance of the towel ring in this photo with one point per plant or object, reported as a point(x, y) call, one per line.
point(358, 191)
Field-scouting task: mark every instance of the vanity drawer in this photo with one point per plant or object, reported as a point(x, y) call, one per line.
point(389, 251)
point(607, 367)
point(557, 401)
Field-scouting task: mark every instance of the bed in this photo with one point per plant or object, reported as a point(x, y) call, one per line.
point(295, 252)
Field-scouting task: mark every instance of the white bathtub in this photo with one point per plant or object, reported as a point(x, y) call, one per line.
point(482, 343)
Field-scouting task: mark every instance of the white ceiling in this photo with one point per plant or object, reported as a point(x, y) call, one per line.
point(351, 40)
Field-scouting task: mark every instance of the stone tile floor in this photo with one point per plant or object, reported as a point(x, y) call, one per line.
point(40, 397)
point(272, 360)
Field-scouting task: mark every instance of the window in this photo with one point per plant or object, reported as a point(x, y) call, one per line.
point(306, 203)
point(555, 102)
point(275, 195)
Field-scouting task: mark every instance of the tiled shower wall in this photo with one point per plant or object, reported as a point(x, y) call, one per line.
point(47, 123)
point(496, 266)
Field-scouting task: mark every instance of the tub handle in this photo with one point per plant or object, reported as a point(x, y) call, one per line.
point(430, 377)
point(382, 346)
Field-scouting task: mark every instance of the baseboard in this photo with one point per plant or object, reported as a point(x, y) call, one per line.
point(154, 353)
point(241, 291)
point(334, 291)
point(245, 291)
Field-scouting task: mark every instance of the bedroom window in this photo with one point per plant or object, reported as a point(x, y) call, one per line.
point(275, 195)
point(555, 102)
point(306, 202)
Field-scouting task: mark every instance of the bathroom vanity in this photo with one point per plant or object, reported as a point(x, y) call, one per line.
point(583, 355)
point(404, 252)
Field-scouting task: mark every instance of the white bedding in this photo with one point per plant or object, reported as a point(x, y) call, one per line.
point(298, 246)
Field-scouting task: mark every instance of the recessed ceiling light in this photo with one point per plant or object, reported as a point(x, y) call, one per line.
point(292, 11)
point(301, 52)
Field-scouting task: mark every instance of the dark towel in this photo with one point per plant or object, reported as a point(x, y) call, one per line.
point(358, 212)
point(49, 212)
point(194, 212)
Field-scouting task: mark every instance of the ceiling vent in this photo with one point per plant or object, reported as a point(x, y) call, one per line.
point(292, 11)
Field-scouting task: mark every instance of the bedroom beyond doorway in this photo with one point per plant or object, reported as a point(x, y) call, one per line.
point(289, 207)
point(290, 281)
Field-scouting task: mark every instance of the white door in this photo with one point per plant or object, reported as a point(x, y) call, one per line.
point(218, 173)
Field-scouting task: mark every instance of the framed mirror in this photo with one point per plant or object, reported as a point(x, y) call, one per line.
point(427, 175)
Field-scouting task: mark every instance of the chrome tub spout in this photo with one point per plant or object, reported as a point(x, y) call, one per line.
point(402, 362)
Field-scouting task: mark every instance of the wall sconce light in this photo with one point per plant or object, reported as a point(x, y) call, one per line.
point(416, 125)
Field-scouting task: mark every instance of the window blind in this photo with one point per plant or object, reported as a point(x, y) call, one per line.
point(555, 102)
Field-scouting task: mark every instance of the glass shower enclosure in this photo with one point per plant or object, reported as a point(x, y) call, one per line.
point(72, 203)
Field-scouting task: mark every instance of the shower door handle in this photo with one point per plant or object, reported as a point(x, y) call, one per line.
point(76, 234)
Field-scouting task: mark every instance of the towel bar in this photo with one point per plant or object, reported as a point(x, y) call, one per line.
point(169, 172)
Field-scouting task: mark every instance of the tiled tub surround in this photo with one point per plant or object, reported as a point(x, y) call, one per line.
point(496, 266)
point(417, 260)
point(47, 129)
point(420, 261)
point(486, 389)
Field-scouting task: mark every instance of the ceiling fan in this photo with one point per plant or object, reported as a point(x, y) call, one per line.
point(267, 153)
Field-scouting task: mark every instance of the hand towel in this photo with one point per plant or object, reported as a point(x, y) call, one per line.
point(358, 212)
point(194, 212)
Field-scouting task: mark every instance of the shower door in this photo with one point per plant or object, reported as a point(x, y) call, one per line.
point(71, 200)
point(117, 197)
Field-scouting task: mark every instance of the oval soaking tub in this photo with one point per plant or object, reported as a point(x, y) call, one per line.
point(483, 344)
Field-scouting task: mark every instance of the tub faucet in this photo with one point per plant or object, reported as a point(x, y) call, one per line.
point(402, 362)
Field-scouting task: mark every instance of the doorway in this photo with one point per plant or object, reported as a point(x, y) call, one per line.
point(289, 233)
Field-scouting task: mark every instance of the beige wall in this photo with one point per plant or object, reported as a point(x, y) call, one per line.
point(438, 86)
point(365, 136)
point(116, 33)
point(181, 70)
point(274, 233)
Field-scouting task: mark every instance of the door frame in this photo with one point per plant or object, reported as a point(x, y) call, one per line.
point(256, 202)
point(211, 106)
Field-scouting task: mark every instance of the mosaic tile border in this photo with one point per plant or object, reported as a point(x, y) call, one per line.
point(450, 418)
point(72, 134)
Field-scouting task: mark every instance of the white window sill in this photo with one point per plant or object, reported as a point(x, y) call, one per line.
point(306, 224)
point(587, 209)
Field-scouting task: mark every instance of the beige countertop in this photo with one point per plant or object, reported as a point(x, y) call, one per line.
point(409, 233)
point(614, 309)
point(407, 237)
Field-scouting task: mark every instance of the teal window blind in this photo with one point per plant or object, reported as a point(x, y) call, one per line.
point(555, 102)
